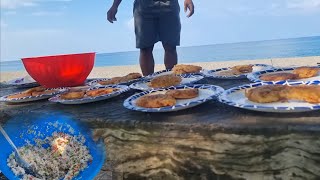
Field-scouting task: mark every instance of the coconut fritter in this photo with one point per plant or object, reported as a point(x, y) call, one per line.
point(156, 101)
point(278, 76)
point(183, 93)
point(36, 91)
point(309, 94)
point(45, 92)
point(242, 69)
point(73, 95)
point(306, 72)
point(114, 80)
point(123, 79)
point(18, 96)
point(184, 69)
point(265, 94)
point(165, 81)
point(132, 76)
point(99, 92)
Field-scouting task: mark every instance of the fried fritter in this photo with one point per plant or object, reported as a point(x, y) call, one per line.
point(35, 89)
point(99, 92)
point(45, 92)
point(18, 96)
point(132, 76)
point(184, 69)
point(114, 80)
point(309, 94)
point(155, 101)
point(165, 81)
point(306, 72)
point(73, 95)
point(278, 77)
point(183, 93)
point(242, 69)
point(123, 79)
point(229, 73)
point(265, 94)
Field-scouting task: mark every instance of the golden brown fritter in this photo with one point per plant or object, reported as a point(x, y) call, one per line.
point(184, 69)
point(99, 92)
point(165, 81)
point(114, 80)
point(35, 89)
point(156, 101)
point(73, 95)
point(45, 92)
point(265, 94)
point(229, 73)
point(278, 76)
point(242, 69)
point(123, 79)
point(309, 94)
point(306, 72)
point(132, 76)
point(183, 93)
point(20, 95)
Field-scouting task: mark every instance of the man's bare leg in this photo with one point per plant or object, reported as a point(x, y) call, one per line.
point(146, 61)
point(170, 55)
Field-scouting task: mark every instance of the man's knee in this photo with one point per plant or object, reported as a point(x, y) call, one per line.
point(146, 50)
point(169, 48)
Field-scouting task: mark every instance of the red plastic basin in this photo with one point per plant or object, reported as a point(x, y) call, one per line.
point(60, 70)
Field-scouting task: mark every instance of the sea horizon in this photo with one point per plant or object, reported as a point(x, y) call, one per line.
point(250, 50)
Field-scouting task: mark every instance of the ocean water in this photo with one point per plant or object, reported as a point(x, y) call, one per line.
point(295, 47)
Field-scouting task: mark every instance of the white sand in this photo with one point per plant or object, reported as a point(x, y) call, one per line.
point(112, 71)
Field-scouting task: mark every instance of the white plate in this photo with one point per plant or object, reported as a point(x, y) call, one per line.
point(255, 77)
point(24, 82)
point(165, 72)
point(206, 93)
point(215, 72)
point(32, 98)
point(186, 79)
point(96, 82)
point(236, 97)
point(87, 99)
point(159, 73)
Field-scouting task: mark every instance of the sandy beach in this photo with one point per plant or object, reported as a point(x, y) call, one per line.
point(112, 71)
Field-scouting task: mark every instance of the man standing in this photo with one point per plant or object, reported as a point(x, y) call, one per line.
point(155, 20)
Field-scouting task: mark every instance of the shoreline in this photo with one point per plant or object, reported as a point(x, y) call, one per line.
point(113, 71)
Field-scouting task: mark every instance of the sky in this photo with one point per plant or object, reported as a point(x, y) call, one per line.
point(46, 27)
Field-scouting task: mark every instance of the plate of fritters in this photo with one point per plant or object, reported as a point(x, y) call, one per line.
point(92, 94)
point(166, 81)
point(33, 94)
point(304, 73)
point(282, 97)
point(235, 72)
point(131, 77)
point(177, 70)
point(172, 98)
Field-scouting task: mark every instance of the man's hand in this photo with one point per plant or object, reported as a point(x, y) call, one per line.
point(188, 4)
point(111, 14)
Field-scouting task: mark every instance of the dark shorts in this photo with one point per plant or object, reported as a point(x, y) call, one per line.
point(156, 20)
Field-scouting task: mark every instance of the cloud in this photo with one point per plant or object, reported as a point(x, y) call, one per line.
point(14, 4)
point(303, 4)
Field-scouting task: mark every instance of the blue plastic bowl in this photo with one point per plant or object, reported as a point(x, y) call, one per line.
point(17, 129)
